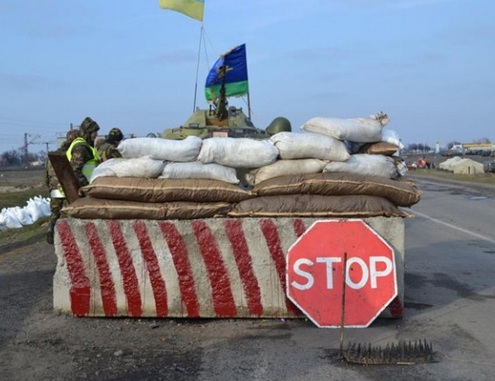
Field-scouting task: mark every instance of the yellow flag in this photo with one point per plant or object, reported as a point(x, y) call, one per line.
point(191, 8)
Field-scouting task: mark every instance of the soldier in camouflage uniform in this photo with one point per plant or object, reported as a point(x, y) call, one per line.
point(81, 154)
point(56, 196)
point(108, 150)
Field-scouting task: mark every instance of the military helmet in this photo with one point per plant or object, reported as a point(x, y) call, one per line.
point(279, 124)
point(88, 126)
point(115, 135)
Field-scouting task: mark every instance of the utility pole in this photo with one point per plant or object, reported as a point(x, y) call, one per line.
point(26, 160)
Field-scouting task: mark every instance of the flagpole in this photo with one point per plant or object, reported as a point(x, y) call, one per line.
point(249, 105)
point(197, 67)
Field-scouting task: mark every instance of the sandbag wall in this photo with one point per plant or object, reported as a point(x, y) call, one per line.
point(309, 174)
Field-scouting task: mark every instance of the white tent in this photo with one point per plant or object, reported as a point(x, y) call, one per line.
point(449, 164)
point(468, 167)
point(462, 166)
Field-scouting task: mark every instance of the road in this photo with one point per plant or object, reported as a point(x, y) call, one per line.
point(450, 302)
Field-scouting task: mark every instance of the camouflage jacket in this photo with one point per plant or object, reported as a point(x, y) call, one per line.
point(108, 151)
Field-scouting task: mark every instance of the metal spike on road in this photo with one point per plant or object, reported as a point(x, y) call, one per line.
point(401, 353)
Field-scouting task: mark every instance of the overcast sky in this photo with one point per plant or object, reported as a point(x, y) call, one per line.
point(428, 64)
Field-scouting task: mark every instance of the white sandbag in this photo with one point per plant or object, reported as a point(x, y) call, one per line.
point(285, 168)
point(238, 153)
point(198, 170)
point(38, 207)
point(358, 130)
point(143, 166)
point(9, 220)
point(21, 215)
point(162, 149)
point(293, 145)
point(366, 164)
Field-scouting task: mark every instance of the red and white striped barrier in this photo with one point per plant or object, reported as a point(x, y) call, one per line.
point(209, 268)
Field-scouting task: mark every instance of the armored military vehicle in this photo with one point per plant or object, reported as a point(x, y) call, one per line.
point(228, 77)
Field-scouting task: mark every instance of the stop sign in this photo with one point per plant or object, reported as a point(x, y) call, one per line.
point(315, 281)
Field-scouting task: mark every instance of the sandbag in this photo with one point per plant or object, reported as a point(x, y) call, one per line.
point(198, 170)
point(162, 149)
point(9, 219)
point(399, 192)
point(366, 164)
point(284, 168)
point(379, 148)
point(90, 208)
point(165, 190)
point(238, 153)
point(38, 207)
point(293, 145)
point(308, 205)
point(143, 166)
point(359, 130)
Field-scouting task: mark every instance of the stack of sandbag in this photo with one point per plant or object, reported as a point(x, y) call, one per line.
point(357, 146)
point(17, 217)
point(334, 168)
point(156, 199)
point(371, 150)
point(338, 195)
point(158, 179)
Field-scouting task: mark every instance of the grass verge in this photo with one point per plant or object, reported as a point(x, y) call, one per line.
point(485, 178)
point(20, 198)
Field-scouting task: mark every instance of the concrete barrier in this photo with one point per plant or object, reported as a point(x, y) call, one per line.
point(209, 268)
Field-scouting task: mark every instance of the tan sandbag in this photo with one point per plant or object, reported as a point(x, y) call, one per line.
point(294, 145)
point(165, 190)
point(308, 205)
point(366, 164)
point(399, 192)
point(380, 148)
point(238, 152)
point(91, 208)
point(285, 168)
point(359, 130)
point(198, 170)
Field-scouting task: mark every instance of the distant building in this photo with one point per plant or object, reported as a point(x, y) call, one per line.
point(478, 148)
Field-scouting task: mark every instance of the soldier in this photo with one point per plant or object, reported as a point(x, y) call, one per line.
point(108, 150)
point(57, 197)
point(81, 154)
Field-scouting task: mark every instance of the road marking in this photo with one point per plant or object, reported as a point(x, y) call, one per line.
point(452, 226)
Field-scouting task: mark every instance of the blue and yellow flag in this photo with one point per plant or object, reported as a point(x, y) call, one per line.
point(231, 68)
point(191, 8)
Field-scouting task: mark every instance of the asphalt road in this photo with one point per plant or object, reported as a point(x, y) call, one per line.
point(450, 302)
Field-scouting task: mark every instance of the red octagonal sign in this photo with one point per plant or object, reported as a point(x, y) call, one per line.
point(315, 265)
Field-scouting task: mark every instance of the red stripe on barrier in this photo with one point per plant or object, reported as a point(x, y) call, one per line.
point(396, 308)
point(153, 267)
point(223, 300)
point(299, 227)
point(272, 238)
point(180, 257)
point(129, 278)
point(80, 290)
point(107, 287)
point(245, 265)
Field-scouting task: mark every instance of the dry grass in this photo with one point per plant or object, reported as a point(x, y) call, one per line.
point(485, 178)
